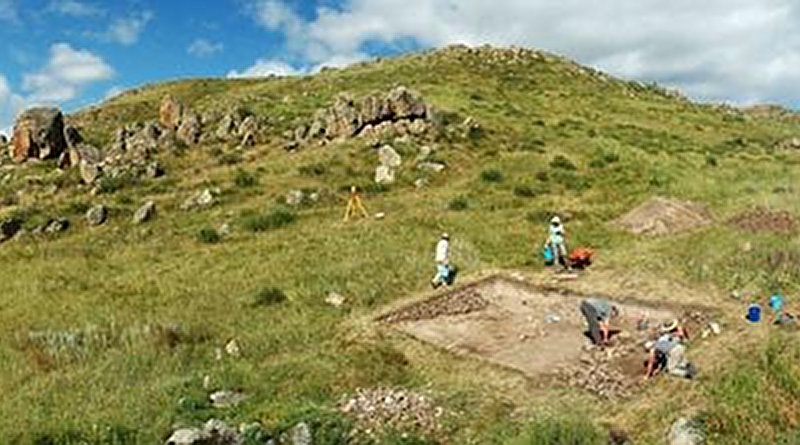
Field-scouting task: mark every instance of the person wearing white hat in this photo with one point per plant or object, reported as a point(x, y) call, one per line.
point(442, 258)
point(557, 242)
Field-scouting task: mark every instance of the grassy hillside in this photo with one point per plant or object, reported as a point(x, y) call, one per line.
point(147, 306)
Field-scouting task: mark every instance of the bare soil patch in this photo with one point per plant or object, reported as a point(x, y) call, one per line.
point(540, 332)
point(661, 216)
point(761, 219)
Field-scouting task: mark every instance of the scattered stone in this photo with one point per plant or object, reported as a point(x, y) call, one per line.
point(97, 215)
point(248, 140)
point(384, 175)
point(38, 133)
point(226, 399)
point(335, 300)
point(207, 382)
point(189, 436)
point(57, 225)
point(225, 230)
point(380, 215)
point(295, 198)
point(389, 157)
point(145, 213)
point(199, 201)
point(233, 349)
point(380, 410)
point(300, 434)
point(90, 172)
point(9, 227)
point(424, 153)
point(154, 170)
point(420, 183)
point(170, 113)
point(684, 432)
point(762, 219)
point(434, 167)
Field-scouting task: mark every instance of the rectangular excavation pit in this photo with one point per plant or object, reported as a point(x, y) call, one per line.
point(540, 332)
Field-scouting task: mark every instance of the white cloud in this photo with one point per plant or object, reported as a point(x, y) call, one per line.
point(10, 105)
point(204, 48)
point(113, 92)
point(264, 68)
point(8, 11)
point(737, 50)
point(126, 31)
point(74, 8)
point(67, 72)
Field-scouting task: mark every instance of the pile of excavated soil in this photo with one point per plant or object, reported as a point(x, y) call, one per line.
point(761, 219)
point(454, 303)
point(661, 216)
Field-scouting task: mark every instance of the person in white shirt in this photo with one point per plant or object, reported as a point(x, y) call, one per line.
point(557, 241)
point(442, 259)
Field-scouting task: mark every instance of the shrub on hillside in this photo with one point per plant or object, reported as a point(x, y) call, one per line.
point(109, 184)
point(269, 296)
point(209, 235)
point(524, 191)
point(270, 221)
point(561, 431)
point(604, 160)
point(492, 175)
point(563, 163)
point(245, 179)
point(458, 204)
point(315, 169)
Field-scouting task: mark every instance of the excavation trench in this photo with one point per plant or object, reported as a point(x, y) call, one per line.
point(540, 332)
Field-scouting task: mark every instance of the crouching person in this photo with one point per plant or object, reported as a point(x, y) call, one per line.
point(668, 354)
point(598, 314)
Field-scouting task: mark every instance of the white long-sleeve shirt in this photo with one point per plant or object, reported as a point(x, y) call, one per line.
point(443, 251)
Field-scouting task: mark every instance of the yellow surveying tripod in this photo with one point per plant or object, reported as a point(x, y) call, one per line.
point(354, 205)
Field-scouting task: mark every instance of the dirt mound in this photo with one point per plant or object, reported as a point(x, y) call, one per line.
point(661, 216)
point(761, 219)
point(454, 303)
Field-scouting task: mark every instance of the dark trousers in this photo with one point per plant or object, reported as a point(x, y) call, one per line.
point(590, 313)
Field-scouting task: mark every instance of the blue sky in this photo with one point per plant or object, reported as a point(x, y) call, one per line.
point(76, 52)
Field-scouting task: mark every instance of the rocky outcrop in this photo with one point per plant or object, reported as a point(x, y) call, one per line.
point(398, 111)
point(38, 133)
point(72, 136)
point(170, 113)
point(214, 432)
point(390, 162)
point(190, 129)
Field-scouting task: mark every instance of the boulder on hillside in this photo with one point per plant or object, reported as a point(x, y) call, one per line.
point(57, 225)
point(145, 213)
point(199, 201)
point(3, 139)
point(90, 172)
point(72, 136)
point(9, 227)
point(85, 152)
point(190, 129)
point(684, 432)
point(97, 215)
point(384, 175)
point(38, 133)
point(389, 157)
point(170, 112)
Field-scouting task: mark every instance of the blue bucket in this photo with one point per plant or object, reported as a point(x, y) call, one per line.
point(753, 313)
point(549, 257)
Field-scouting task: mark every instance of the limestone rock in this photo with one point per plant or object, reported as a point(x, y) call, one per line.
point(85, 152)
point(300, 434)
point(38, 133)
point(190, 129)
point(72, 136)
point(248, 125)
point(335, 300)
point(154, 170)
point(200, 200)
point(3, 139)
point(226, 399)
point(683, 432)
point(145, 213)
point(189, 436)
point(295, 198)
point(90, 172)
point(170, 113)
point(433, 167)
point(384, 175)
point(389, 157)
point(97, 215)
point(57, 225)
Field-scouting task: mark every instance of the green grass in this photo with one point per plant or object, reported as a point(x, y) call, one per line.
point(155, 302)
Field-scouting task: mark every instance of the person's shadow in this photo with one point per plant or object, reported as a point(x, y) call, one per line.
point(611, 334)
